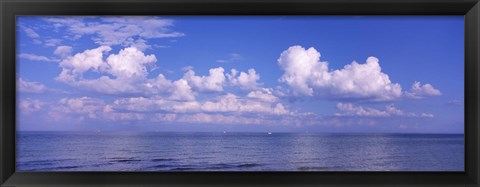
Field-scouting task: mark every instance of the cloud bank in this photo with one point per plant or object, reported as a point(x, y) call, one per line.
point(120, 68)
point(349, 109)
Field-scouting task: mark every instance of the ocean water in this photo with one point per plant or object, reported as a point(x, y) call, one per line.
point(235, 151)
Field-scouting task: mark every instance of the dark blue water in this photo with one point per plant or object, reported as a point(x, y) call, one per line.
point(161, 151)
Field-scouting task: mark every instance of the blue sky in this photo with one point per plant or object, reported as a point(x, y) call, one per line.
point(238, 73)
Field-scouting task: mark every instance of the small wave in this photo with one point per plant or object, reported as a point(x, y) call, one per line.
point(67, 167)
point(118, 158)
point(128, 160)
point(59, 168)
point(42, 162)
point(249, 165)
point(48, 160)
point(319, 168)
point(36, 163)
point(162, 159)
point(200, 157)
point(229, 166)
point(100, 165)
point(183, 169)
point(203, 167)
point(219, 166)
point(162, 166)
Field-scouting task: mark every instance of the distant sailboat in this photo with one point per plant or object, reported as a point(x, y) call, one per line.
point(224, 132)
point(269, 133)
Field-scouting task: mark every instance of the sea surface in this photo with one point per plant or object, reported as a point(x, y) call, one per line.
point(236, 151)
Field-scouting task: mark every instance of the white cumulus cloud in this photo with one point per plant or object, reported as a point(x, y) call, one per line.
point(130, 63)
point(182, 91)
point(419, 91)
point(74, 66)
point(124, 72)
point(246, 81)
point(128, 72)
point(264, 94)
point(305, 74)
point(213, 82)
point(63, 51)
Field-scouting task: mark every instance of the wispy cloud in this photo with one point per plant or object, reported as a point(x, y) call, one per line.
point(52, 42)
point(349, 109)
point(31, 33)
point(125, 31)
point(24, 86)
point(456, 102)
point(30, 105)
point(36, 57)
point(232, 57)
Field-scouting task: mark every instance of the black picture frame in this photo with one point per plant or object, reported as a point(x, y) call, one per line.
point(11, 8)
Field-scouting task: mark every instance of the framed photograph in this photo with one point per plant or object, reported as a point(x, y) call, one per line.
point(232, 93)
